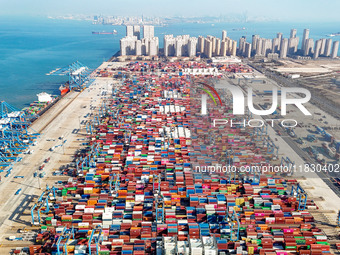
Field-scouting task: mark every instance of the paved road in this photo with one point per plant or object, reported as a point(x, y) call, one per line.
point(306, 158)
point(61, 120)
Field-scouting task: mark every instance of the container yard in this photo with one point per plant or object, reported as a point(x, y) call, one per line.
point(135, 178)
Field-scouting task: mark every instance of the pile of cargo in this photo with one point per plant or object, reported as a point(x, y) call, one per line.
point(134, 191)
point(37, 107)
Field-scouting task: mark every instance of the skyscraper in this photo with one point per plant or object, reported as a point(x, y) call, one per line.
point(335, 49)
point(136, 32)
point(224, 48)
point(293, 33)
point(328, 47)
point(149, 31)
point(200, 44)
point(284, 48)
point(169, 45)
point(275, 45)
point(224, 34)
point(317, 49)
point(254, 43)
point(323, 46)
point(259, 47)
point(129, 30)
point(293, 43)
point(304, 38)
point(309, 45)
point(153, 46)
point(247, 50)
point(217, 46)
point(192, 45)
point(241, 46)
point(208, 47)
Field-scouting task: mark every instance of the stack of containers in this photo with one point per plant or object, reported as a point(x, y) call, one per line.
point(195, 204)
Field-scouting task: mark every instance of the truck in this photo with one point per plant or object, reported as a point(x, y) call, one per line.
point(300, 141)
point(17, 192)
point(14, 238)
point(311, 138)
point(319, 157)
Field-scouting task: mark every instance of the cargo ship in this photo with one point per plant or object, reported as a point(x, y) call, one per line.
point(114, 32)
point(334, 34)
point(64, 89)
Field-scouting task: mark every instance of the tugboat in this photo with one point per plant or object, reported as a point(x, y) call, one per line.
point(64, 89)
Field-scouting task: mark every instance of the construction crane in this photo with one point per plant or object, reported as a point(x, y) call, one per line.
point(14, 135)
point(285, 161)
point(43, 202)
point(154, 184)
point(114, 183)
point(96, 238)
point(65, 235)
point(301, 196)
point(159, 211)
point(78, 75)
point(232, 220)
point(271, 147)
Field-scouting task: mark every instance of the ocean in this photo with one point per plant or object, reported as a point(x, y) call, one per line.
point(32, 47)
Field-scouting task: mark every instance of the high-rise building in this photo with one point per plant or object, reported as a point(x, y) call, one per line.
point(136, 32)
point(128, 45)
point(217, 46)
point(309, 45)
point(242, 44)
point(192, 45)
point(293, 33)
point(145, 46)
point(169, 45)
point(200, 44)
point(138, 47)
point(149, 31)
point(153, 46)
point(276, 44)
point(224, 48)
point(179, 47)
point(317, 49)
point(304, 39)
point(224, 35)
point(259, 47)
point(293, 43)
point(254, 43)
point(279, 35)
point(213, 40)
point(328, 47)
point(129, 30)
point(266, 47)
point(233, 48)
point(208, 47)
point(335, 49)
point(323, 46)
point(247, 50)
point(284, 48)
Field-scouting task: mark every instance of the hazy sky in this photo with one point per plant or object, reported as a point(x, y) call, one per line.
point(285, 10)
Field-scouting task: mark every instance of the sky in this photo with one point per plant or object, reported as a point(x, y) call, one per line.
point(284, 10)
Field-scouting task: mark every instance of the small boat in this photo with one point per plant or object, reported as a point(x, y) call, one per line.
point(114, 32)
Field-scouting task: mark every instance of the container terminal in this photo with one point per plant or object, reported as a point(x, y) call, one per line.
point(114, 171)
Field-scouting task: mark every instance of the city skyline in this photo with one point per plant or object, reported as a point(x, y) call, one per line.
point(212, 46)
point(263, 9)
